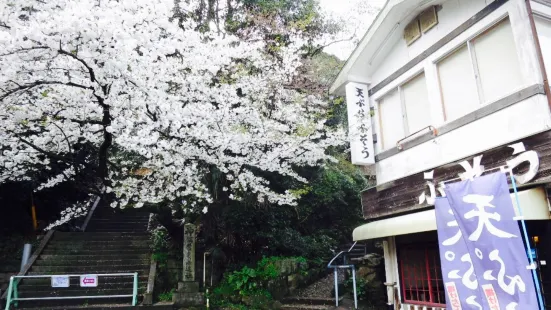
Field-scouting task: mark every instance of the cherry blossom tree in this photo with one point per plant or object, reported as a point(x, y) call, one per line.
point(134, 97)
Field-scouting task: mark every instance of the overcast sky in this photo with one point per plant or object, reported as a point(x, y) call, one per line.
point(357, 13)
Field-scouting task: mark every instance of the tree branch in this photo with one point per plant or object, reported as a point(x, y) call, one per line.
point(49, 154)
point(40, 83)
point(90, 70)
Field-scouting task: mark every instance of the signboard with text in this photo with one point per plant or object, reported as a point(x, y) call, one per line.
point(89, 280)
point(60, 281)
point(483, 258)
point(359, 123)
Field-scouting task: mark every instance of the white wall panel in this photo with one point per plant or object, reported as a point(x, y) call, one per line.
point(520, 120)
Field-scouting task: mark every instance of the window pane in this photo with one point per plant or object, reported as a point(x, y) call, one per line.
point(420, 285)
point(498, 62)
point(458, 84)
point(416, 99)
point(544, 34)
point(392, 126)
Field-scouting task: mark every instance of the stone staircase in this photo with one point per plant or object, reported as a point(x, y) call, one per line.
point(114, 242)
point(8, 268)
point(308, 303)
point(316, 296)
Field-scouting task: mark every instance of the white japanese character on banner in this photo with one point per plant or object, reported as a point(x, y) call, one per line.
point(466, 278)
point(472, 301)
point(515, 281)
point(482, 201)
point(453, 240)
point(511, 306)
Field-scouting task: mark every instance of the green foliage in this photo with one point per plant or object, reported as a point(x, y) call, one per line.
point(160, 240)
point(361, 288)
point(166, 296)
point(248, 285)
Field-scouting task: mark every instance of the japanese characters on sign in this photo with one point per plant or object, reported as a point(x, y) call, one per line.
point(483, 258)
point(476, 170)
point(359, 122)
point(60, 281)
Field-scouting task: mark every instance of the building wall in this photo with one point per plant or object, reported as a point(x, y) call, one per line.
point(523, 119)
point(452, 14)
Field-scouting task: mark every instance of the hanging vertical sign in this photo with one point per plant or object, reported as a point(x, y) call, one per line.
point(359, 123)
point(485, 259)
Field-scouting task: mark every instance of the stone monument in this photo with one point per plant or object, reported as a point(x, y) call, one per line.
point(188, 290)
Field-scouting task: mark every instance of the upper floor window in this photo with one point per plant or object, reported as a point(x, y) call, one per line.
point(404, 111)
point(483, 70)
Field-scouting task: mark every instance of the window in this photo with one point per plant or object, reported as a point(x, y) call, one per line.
point(416, 101)
point(390, 112)
point(420, 275)
point(543, 27)
point(404, 111)
point(484, 70)
point(457, 84)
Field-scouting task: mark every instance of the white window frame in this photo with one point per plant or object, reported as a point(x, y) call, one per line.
point(474, 64)
point(405, 124)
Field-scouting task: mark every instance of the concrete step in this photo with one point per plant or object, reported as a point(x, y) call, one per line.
point(305, 307)
point(101, 223)
point(144, 229)
point(159, 306)
point(101, 244)
point(99, 252)
point(75, 286)
point(101, 236)
point(310, 301)
point(84, 303)
point(9, 267)
point(89, 268)
point(30, 293)
point(118, 228)
point(69, 257)
point(96, 260)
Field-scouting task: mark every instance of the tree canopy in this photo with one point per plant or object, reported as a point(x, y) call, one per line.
point(143, 100)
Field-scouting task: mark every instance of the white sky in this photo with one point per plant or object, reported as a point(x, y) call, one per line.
point(356, 12)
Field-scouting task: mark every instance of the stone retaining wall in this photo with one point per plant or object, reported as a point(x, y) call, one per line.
point(293, 275)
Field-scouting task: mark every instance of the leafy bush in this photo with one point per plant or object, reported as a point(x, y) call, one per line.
point(160, 240)
point(361, 288)
point(247, 285)
point(166, 296)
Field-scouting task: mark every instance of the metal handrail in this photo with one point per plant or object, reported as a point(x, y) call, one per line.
point(92, 209)
point(12, 288)
point(345, 266)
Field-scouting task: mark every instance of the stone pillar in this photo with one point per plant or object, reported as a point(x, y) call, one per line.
point(188, 290)
point(189, 253)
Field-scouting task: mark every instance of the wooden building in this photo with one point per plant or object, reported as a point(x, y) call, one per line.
point(433, 84)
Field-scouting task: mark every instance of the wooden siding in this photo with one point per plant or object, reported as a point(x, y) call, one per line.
point(401, 196)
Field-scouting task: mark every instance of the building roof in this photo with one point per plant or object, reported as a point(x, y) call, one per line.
point(385, 29)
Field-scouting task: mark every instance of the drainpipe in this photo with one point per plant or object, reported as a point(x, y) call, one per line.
point(539, 52)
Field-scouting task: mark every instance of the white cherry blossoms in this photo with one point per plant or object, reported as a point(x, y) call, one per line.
point(157, 101)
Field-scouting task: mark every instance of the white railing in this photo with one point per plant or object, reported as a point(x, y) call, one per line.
point(344, 266)
point(13, 294)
